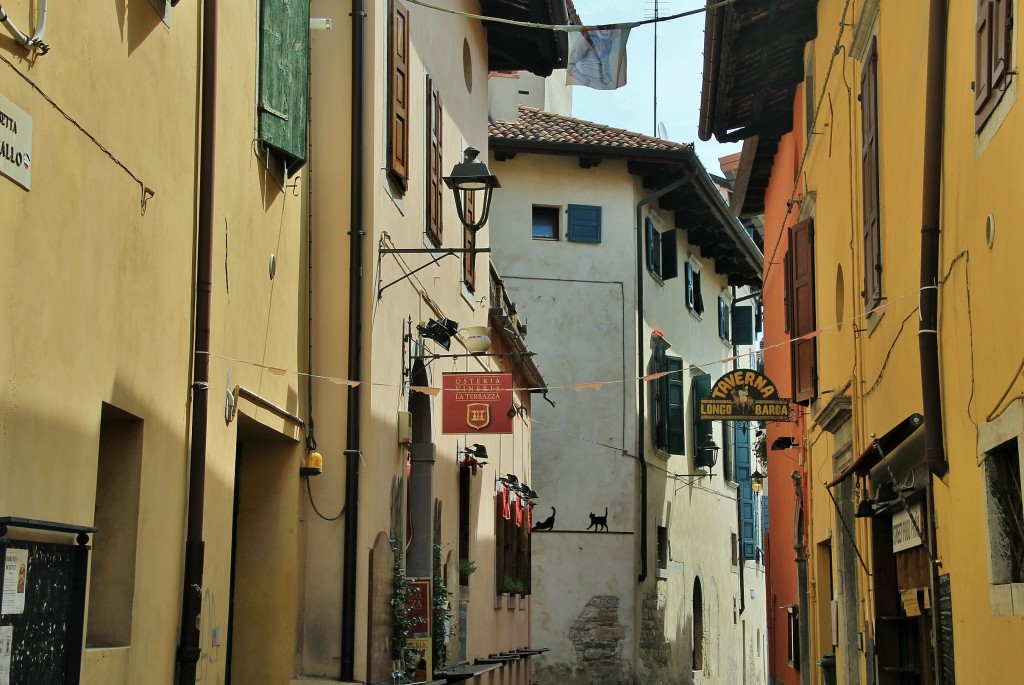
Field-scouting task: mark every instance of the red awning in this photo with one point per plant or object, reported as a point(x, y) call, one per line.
point(888, 442)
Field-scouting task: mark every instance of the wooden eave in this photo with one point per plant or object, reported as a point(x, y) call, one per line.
point(518, 48)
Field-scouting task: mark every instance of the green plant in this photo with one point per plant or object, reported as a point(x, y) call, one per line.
point(441, 611)
point(401, 623)
point(513, 586)
point(467, 567)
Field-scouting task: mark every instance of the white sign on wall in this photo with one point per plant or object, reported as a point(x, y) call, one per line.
point(904, 533)
point(15, 143)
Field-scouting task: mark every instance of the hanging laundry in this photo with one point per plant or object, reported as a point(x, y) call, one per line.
point(597, 58)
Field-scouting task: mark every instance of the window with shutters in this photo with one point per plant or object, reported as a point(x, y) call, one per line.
point(694, 299)
point(870, 174)
point(545, 223)
point(398, 96)
point(992, 54)
point(723, 319)
point(435, 164)
point(584, 224)
point(700, 388)
point(668, 418)
point(283, 82)
point(662, 252)
point(512, 521)
point(469, 242)
point(800, 304)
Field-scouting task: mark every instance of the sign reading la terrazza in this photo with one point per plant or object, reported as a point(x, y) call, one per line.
point(744, 395)
point(476, 403)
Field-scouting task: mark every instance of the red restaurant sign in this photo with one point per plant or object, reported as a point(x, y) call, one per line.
point(476, 403)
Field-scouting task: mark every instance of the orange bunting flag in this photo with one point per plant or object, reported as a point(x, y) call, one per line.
point(587, 386)
point(276, 371)
point(810, 336)
point(426, 390)
point(655, 376)
point(342, 381)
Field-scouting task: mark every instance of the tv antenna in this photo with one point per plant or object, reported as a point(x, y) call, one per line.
point(655, 8)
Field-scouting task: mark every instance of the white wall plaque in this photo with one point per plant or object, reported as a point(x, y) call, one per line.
point(15, 143)
point(904, 533)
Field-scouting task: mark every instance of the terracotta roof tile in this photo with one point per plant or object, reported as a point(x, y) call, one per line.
point(533, 125)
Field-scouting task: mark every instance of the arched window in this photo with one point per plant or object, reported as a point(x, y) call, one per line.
point(698, 626)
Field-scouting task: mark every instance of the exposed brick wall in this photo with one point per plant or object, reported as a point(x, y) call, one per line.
point(598, 638)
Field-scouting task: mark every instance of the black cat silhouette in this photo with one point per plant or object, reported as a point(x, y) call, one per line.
point(599, 522)
point(546, 524)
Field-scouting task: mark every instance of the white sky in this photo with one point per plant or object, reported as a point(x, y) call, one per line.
point(680, 62)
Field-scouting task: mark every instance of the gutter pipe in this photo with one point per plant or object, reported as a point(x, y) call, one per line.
point(927, 336)
point(712, 40)
point(192, 588)
point(355, 350)
point(640, 363)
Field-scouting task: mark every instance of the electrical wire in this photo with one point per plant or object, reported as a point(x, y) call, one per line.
point(309, 493)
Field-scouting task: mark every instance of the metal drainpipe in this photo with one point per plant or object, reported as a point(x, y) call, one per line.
point(355, 349)
point(728, 425)
point(192, 589)
point(640, 362)
point(927, 336)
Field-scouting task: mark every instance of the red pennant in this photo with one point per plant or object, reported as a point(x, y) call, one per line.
point(504, 502)
point(519, 512)
point(529, 516)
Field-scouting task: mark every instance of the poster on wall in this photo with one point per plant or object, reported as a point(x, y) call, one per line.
point(476, 403)
point(15, 579)
point(6, 640)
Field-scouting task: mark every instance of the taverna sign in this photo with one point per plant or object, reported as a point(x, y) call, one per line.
point(744, 395)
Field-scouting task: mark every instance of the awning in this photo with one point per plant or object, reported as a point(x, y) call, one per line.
point(863, 464)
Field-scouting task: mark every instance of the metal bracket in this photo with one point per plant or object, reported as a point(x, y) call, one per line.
point(438, 253)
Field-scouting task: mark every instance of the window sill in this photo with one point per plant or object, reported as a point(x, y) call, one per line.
point(549, 240)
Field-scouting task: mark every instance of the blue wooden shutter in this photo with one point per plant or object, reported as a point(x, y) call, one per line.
point(669, 255)
point(584, 223)
point(284, 84)
point(674, 405)
point(700, 388)
point(764, 513)
point(747, 522)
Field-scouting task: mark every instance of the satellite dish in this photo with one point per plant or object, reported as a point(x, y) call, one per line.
point(662, 131)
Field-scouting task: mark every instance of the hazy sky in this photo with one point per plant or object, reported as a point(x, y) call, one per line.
point(680, 61)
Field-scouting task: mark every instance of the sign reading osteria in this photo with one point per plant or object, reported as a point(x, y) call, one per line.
point(744, 395)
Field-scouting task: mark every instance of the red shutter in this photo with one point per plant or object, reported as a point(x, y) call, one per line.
point(435, 186)
point(398, 134)
point(469, 242)
point(802, 307)
point(869, 161)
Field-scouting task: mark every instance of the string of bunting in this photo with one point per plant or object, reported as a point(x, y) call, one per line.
point(578, 387)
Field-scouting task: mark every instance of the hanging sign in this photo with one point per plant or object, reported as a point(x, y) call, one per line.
point(15, 143)
point(476, 403)
point(744, 395)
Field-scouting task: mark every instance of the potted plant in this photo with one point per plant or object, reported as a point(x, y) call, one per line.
point(467, 567)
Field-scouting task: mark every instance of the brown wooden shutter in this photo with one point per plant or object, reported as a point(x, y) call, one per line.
point(469, 242)
point(869, 159)
point(435, 186)
point(992, 53)
point(802, 304)
point(398, 132)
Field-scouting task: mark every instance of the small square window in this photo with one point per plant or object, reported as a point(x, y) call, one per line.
point(545, 223)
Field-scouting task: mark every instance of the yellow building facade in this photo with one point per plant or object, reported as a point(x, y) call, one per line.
point(178, 310)
point(914, 537)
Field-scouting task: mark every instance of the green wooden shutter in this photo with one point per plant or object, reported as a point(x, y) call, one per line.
point(723, 319)
point(284, 84)
point(584, 224)
point(676, 437)
point(700, 387)
point(653, 248)
point(689, 285)
point(742, 325)
point(669, 255)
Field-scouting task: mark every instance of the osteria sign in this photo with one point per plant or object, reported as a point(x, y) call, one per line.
point(15, 143)
point(744, 395)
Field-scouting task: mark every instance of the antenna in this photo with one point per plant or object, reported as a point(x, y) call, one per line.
point(662, 131)
point(654, 8)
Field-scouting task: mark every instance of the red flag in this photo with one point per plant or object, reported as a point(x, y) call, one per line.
point(529, 515)
point(504, 502)
point(519, 511)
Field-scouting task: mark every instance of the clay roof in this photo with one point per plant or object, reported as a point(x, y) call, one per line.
point(535, 126)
